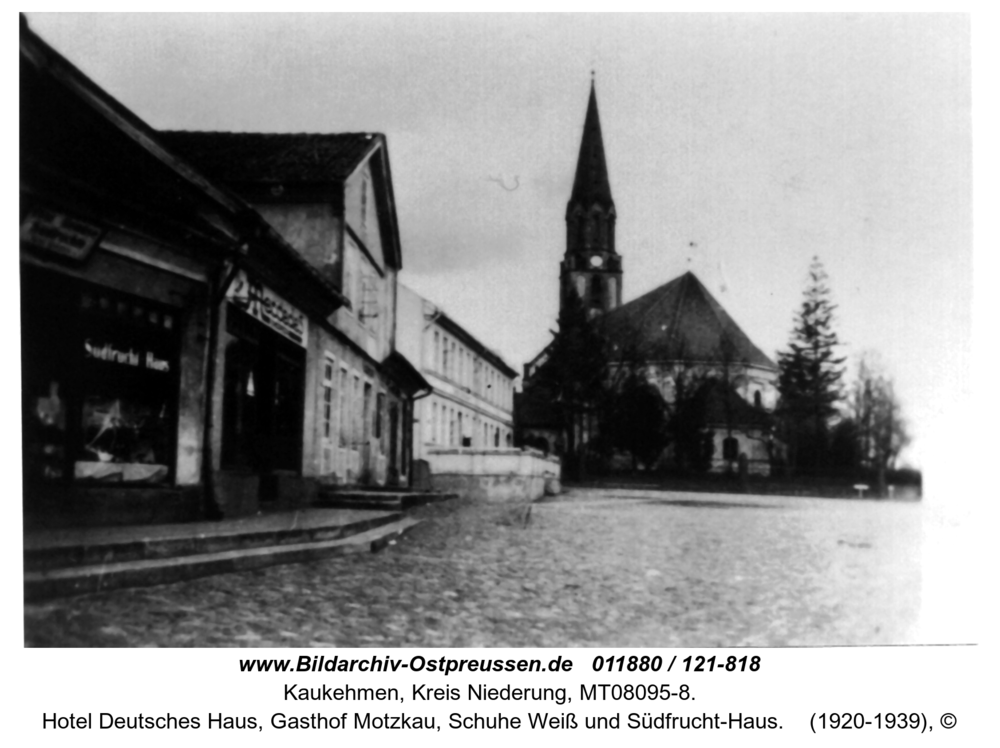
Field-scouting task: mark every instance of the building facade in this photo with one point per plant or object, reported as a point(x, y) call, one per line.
point(330, 197)
point(471, 401)
point(136, 272)
point(677, 337)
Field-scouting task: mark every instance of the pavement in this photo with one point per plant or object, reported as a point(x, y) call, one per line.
point(625, 568)
point(265, 522)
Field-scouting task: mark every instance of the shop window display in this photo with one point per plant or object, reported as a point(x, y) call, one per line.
point(99, 369)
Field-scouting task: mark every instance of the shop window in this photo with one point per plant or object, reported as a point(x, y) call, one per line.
point(99, 384)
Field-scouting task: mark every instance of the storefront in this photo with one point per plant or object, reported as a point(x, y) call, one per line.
point(99, 383)
point(263, 398)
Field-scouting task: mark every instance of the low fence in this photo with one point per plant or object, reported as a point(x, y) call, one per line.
point(493, 474)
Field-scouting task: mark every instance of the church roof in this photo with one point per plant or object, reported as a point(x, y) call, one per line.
point(681, 321)
point(591, 184)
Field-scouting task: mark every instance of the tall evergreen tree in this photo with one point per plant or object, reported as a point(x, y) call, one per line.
point(810, 376)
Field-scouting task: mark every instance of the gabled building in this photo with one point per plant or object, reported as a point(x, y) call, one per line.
point(330, 197)
point(135, 271)
point(678, 336)
point(471, 402)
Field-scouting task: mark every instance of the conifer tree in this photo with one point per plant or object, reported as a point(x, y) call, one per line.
point(573, 378)
point(810, 376)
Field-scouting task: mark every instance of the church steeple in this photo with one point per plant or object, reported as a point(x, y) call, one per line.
point(591, 185)
point(591, 267)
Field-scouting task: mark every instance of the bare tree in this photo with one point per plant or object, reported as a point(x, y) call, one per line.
point(875, 409)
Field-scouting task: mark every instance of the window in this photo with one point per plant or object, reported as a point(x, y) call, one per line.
point(328, 366)
point(730, 448)
point(342, 409)
point(356, 413)
point(756, 399)
point(436, 365)
point(379, 410)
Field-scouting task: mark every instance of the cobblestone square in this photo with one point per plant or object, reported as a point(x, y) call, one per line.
point(626, 568)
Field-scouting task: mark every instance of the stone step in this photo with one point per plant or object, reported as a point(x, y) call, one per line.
point(80, 580)
point(190, 541)
point(396, 501)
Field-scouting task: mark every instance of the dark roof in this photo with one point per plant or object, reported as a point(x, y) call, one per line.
point(724, 407)
point(591, 184)
point(84, 149)
point(297, 158)
point(405, 373)
point(448, 323)
point(680, 321)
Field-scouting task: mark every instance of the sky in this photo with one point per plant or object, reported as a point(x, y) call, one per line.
point(738, 147)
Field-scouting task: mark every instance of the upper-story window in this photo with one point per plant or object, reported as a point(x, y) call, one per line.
point(437, 352)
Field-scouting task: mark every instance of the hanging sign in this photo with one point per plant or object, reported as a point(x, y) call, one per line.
point(264, 305)
point(59, 233)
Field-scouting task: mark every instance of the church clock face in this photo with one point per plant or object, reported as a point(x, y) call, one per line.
point(596, 261)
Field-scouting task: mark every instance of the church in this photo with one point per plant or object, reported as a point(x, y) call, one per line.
point(677, 336)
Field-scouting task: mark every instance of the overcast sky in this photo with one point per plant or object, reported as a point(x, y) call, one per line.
point(760, 139)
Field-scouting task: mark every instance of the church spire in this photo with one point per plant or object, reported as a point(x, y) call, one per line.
point(591, 185)
point(591, 268)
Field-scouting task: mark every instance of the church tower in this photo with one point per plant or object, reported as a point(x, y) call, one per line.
point(591, 267)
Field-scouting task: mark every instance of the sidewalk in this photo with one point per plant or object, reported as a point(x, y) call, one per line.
point(84, 560)
point(270, 522)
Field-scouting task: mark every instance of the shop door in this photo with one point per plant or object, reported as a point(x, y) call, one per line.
point(263, 401)
point(286, 411)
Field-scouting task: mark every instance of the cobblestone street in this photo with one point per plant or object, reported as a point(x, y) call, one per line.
point(590, 568)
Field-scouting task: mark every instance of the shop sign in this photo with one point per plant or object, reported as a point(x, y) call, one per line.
point(113, 354)
point(263, 304)
point(59, 233)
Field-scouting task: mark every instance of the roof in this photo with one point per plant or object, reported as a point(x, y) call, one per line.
point(304, 158)
point(681, 321)
point(80, 145)
point(591, 185)
point(447, 322)
point(724, 407)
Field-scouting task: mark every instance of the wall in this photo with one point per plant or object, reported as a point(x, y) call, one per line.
point(313, 230)
point(492, 475)
point(758, 459)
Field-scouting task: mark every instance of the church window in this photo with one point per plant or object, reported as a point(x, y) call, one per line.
point(596, 290)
